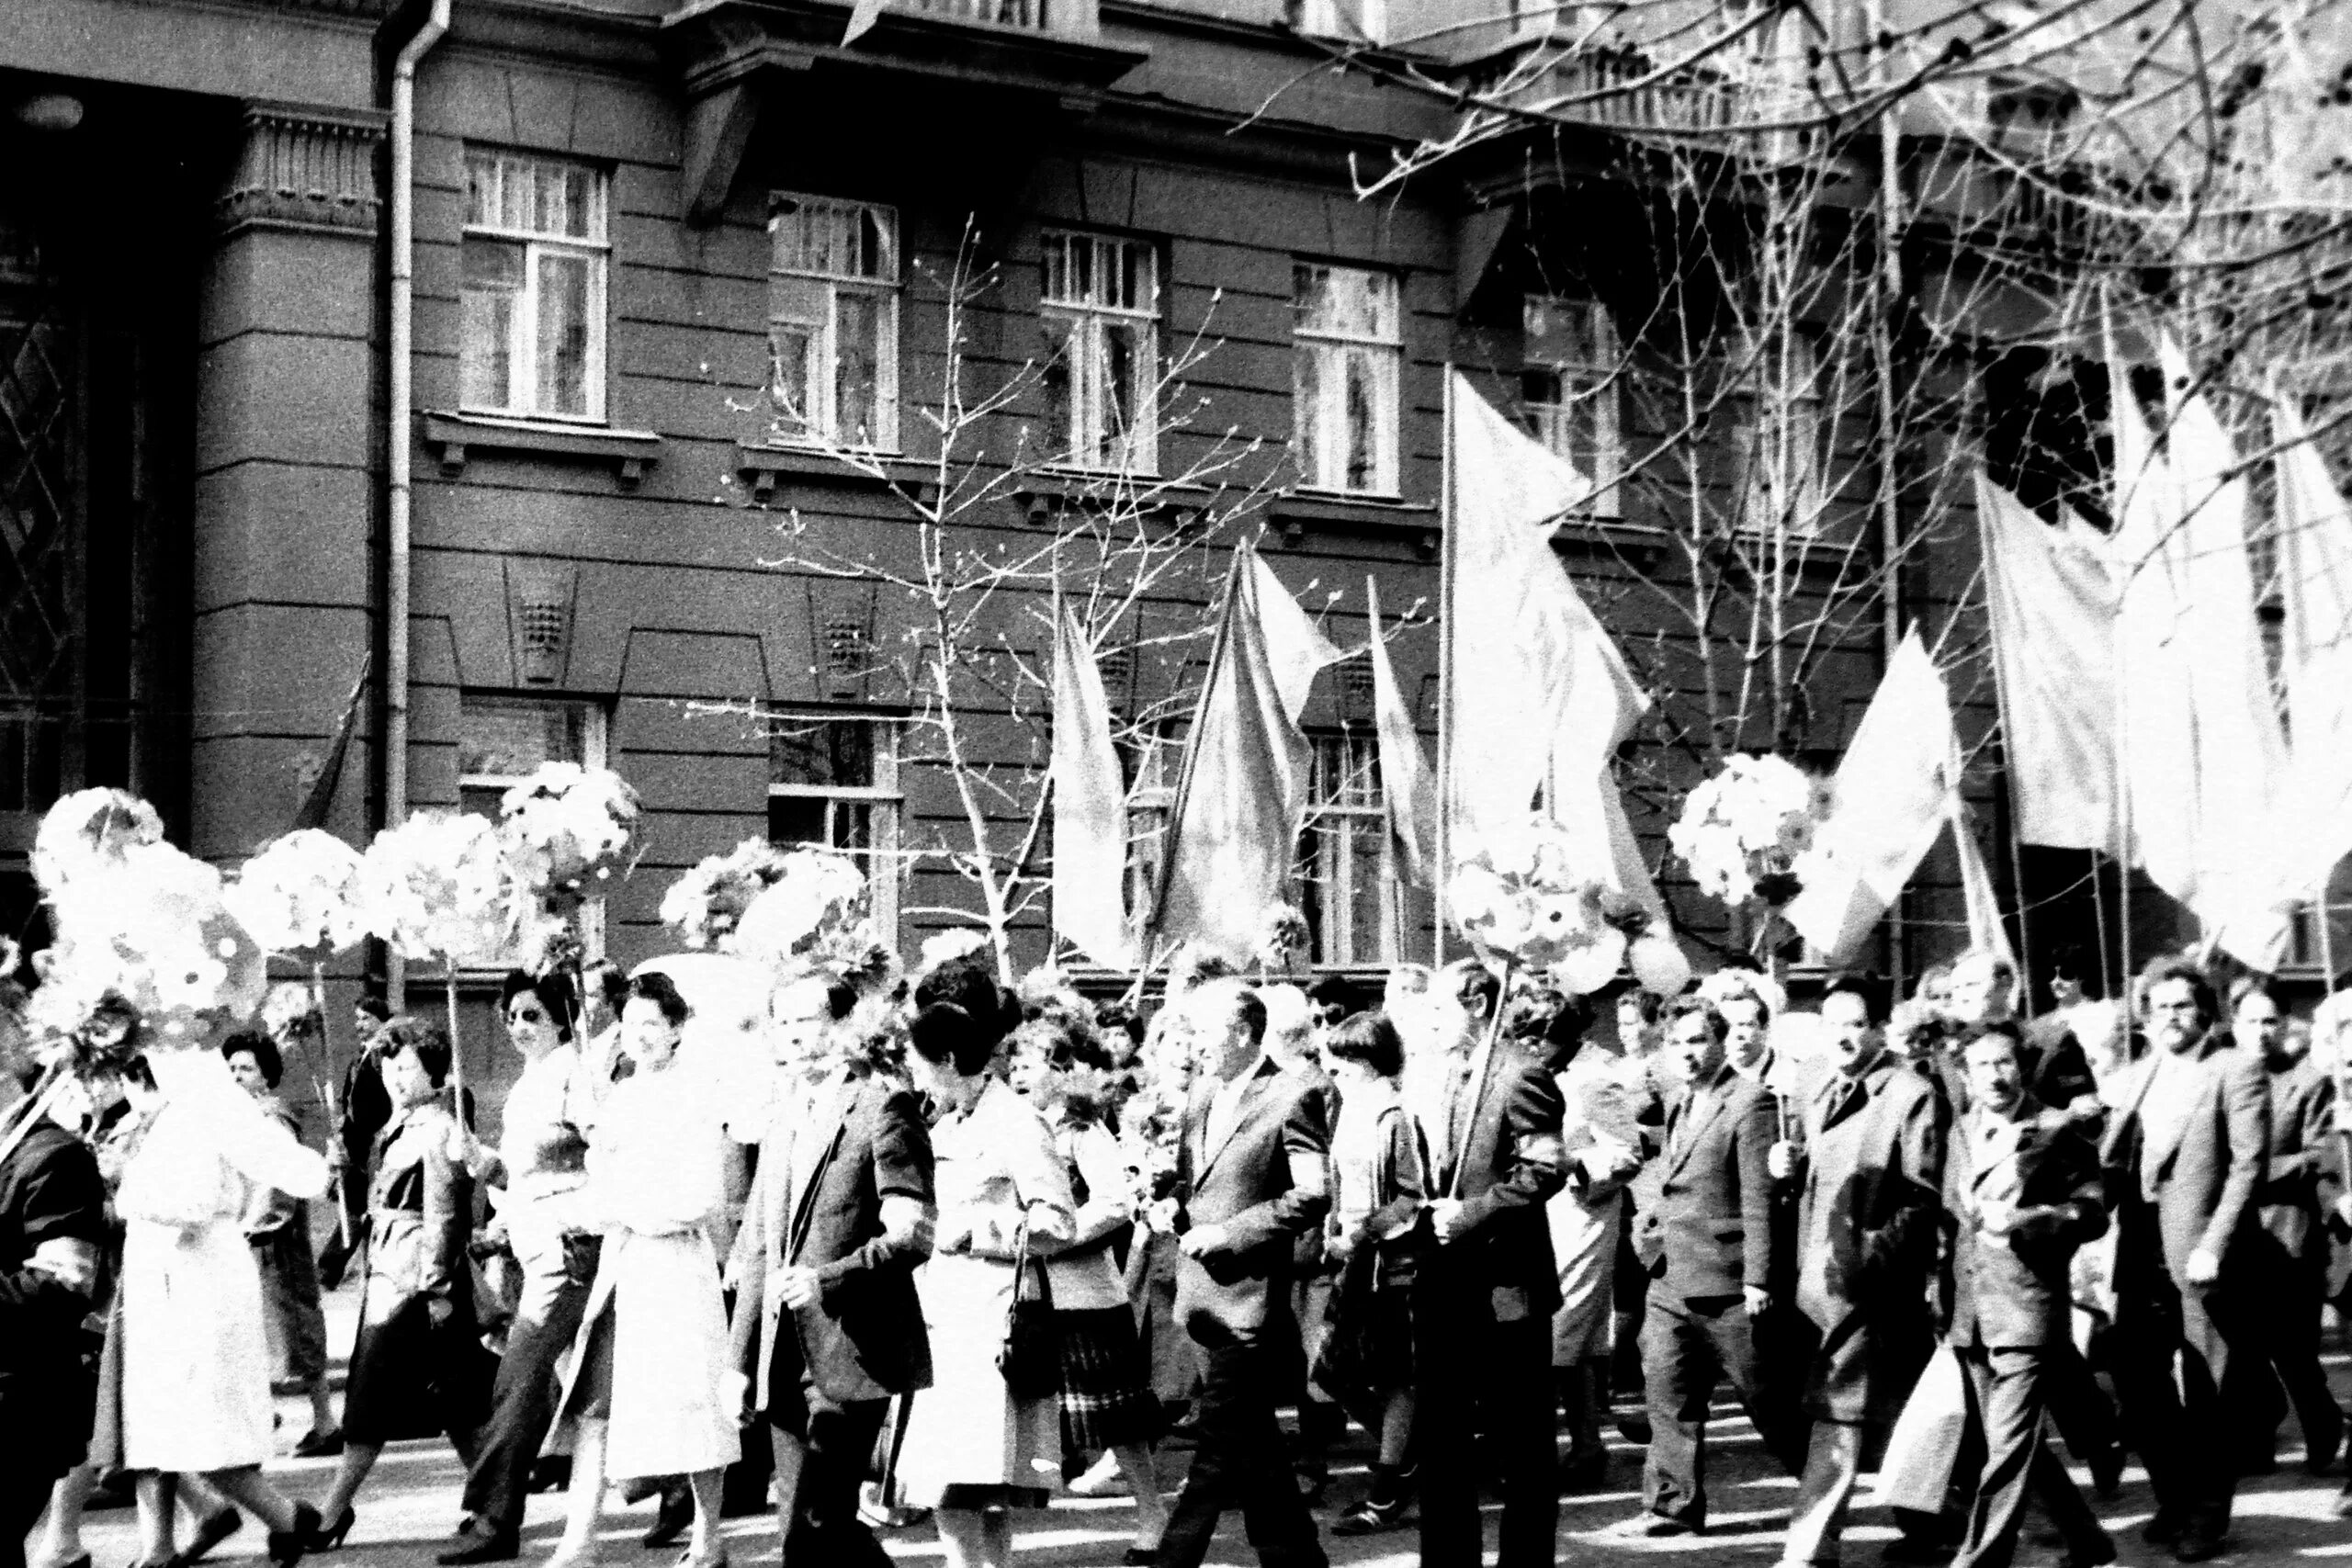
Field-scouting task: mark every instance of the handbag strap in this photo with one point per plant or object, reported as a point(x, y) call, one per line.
point(1020, 1261)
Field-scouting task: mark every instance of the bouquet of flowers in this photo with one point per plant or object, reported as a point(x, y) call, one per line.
point(301, 895)
point(436, 886)
point(1282, 941)
point(567, 828)
point(143, 926)
point(1517, 895)
point(705, 905)
point(815, 905)
point(291, 1014)
point(90, 830)
point(1742, 831)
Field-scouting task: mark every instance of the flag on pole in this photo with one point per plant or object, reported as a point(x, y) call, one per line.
point(1090, 808)
point(1294, 649)
point(1892, 795)
point(2051, 598)
point(2311, 827)
point(1404, 783)
point(2201, 744)
point(1986, 931)
point(1536, 689)
point(1242, 796)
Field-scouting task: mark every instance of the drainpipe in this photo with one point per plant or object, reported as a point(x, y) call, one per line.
point(399, 439)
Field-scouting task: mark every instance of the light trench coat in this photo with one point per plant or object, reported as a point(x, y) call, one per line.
point(196, 1362)
point(656, 1185)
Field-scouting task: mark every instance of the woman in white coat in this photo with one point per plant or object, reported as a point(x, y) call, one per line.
point(652, 1392)
point(196, 1362)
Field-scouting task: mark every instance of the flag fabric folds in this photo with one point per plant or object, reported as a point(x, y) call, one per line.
point(2312, 826)
point(1090, 808)
point(2051, 602)
point(1893, 795)
point(1294, 649)
point(1405, 785)
point(1537, 690)
point(1242, 795)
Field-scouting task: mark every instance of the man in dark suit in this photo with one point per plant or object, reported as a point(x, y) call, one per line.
point(2020, 1194)
point(1249, 1180)
point(2190, 1151)
point(1482, 1304)
point(2302, 1180)
point(1866, 1245)
point(827, 1321)
point(1707, 1243)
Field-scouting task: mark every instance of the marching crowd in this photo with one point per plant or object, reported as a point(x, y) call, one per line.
point(971, 1246)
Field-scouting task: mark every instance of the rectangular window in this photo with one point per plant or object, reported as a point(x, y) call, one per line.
point(833, 321)
point(1101, 302)
point(531, 301)
point(833, 785)
point(1348, 352)
point(502, 740)
point(1351, 21)
point(1777, 439)
point(1569, 385)
point(1352, 890)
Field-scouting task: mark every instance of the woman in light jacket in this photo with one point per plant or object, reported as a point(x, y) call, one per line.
point(652, 1392)
point(416, 1363)
point(194, 1355)
point(1107, 1405)
point(972, 1451)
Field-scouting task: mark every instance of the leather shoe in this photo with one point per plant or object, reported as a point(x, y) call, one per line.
point(1658, 1526)
point(675, 1516)
point(210, 1532)
point(2107, 1473)
point(2165, 1529)
point(2322, 1454)
point(2093, 1556)
point(483, 1546)
point(2200, 1546)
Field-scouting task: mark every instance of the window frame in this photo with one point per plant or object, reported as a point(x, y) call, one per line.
point(824, 423)
point(1551, 422)
point(1340, 948)
point(1356, 21)
point(596, 742)
point(1333, 347)
point(522, 346)
point(885, 795)
point(1081, 340)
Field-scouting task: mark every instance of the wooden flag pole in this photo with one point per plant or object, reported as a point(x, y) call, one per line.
point(1445, 509)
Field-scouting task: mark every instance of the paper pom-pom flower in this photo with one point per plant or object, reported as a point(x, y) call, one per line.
point(567, 829)
point(1659, 964)
point(814, 899)
point(147, 925)
point(947, 946)
point(705, 905)
point(435, 886)
point(91, 829)
point(290, 1012)
point(301, 895)
point(1741, 830)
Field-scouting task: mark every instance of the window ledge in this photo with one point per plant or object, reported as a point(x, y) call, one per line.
point(767, 466)
point(1296, 512)
point(453, 435)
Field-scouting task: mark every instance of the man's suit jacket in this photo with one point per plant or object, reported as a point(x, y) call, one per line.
point(2304, 1173)
point(1262, 1183)
point(820, 1206)
point(1710, 1233)
point(1506, 1164)
point(2202, 1180)
point(2016, 1291)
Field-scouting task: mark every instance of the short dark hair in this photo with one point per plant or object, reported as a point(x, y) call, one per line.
point(2171, 967)
point(607, 981)
point(1334, 998)
point(555, 994)
point(1680, 1008)
point(374, 1005)
point(1877, 996)
point(2006, 1029)
point(1649, 1001)
point(663, 991)
point(1368, 1038)
point(261, 1048)
point(1465, 980)
point(944, 1032)
point(971, 985)
point(422, 1039)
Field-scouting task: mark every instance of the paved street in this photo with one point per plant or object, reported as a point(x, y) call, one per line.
point(411, 1503)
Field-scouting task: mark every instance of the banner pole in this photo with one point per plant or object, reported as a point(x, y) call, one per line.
point(1438, 872)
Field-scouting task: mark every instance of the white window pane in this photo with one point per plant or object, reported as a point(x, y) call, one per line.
point(857, 365)
point(1366, 436)
point(792, 374)
point(493, 282)
point(1126, 379)
point(1345, 301)
point(565, 298)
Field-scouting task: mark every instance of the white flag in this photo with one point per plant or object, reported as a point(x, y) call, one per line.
point(1294, 649)
point(1892, 795)
point(2050, 599)
point(1404, 782)
point(1090, 808)
point(2312, 824)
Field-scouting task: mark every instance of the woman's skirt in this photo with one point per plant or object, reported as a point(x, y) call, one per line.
point(412, 1378)
point(969, 1444)
point(1107, 1402)
point(1369, 1350)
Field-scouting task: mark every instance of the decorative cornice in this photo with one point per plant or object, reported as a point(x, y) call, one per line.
point(305, 168)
